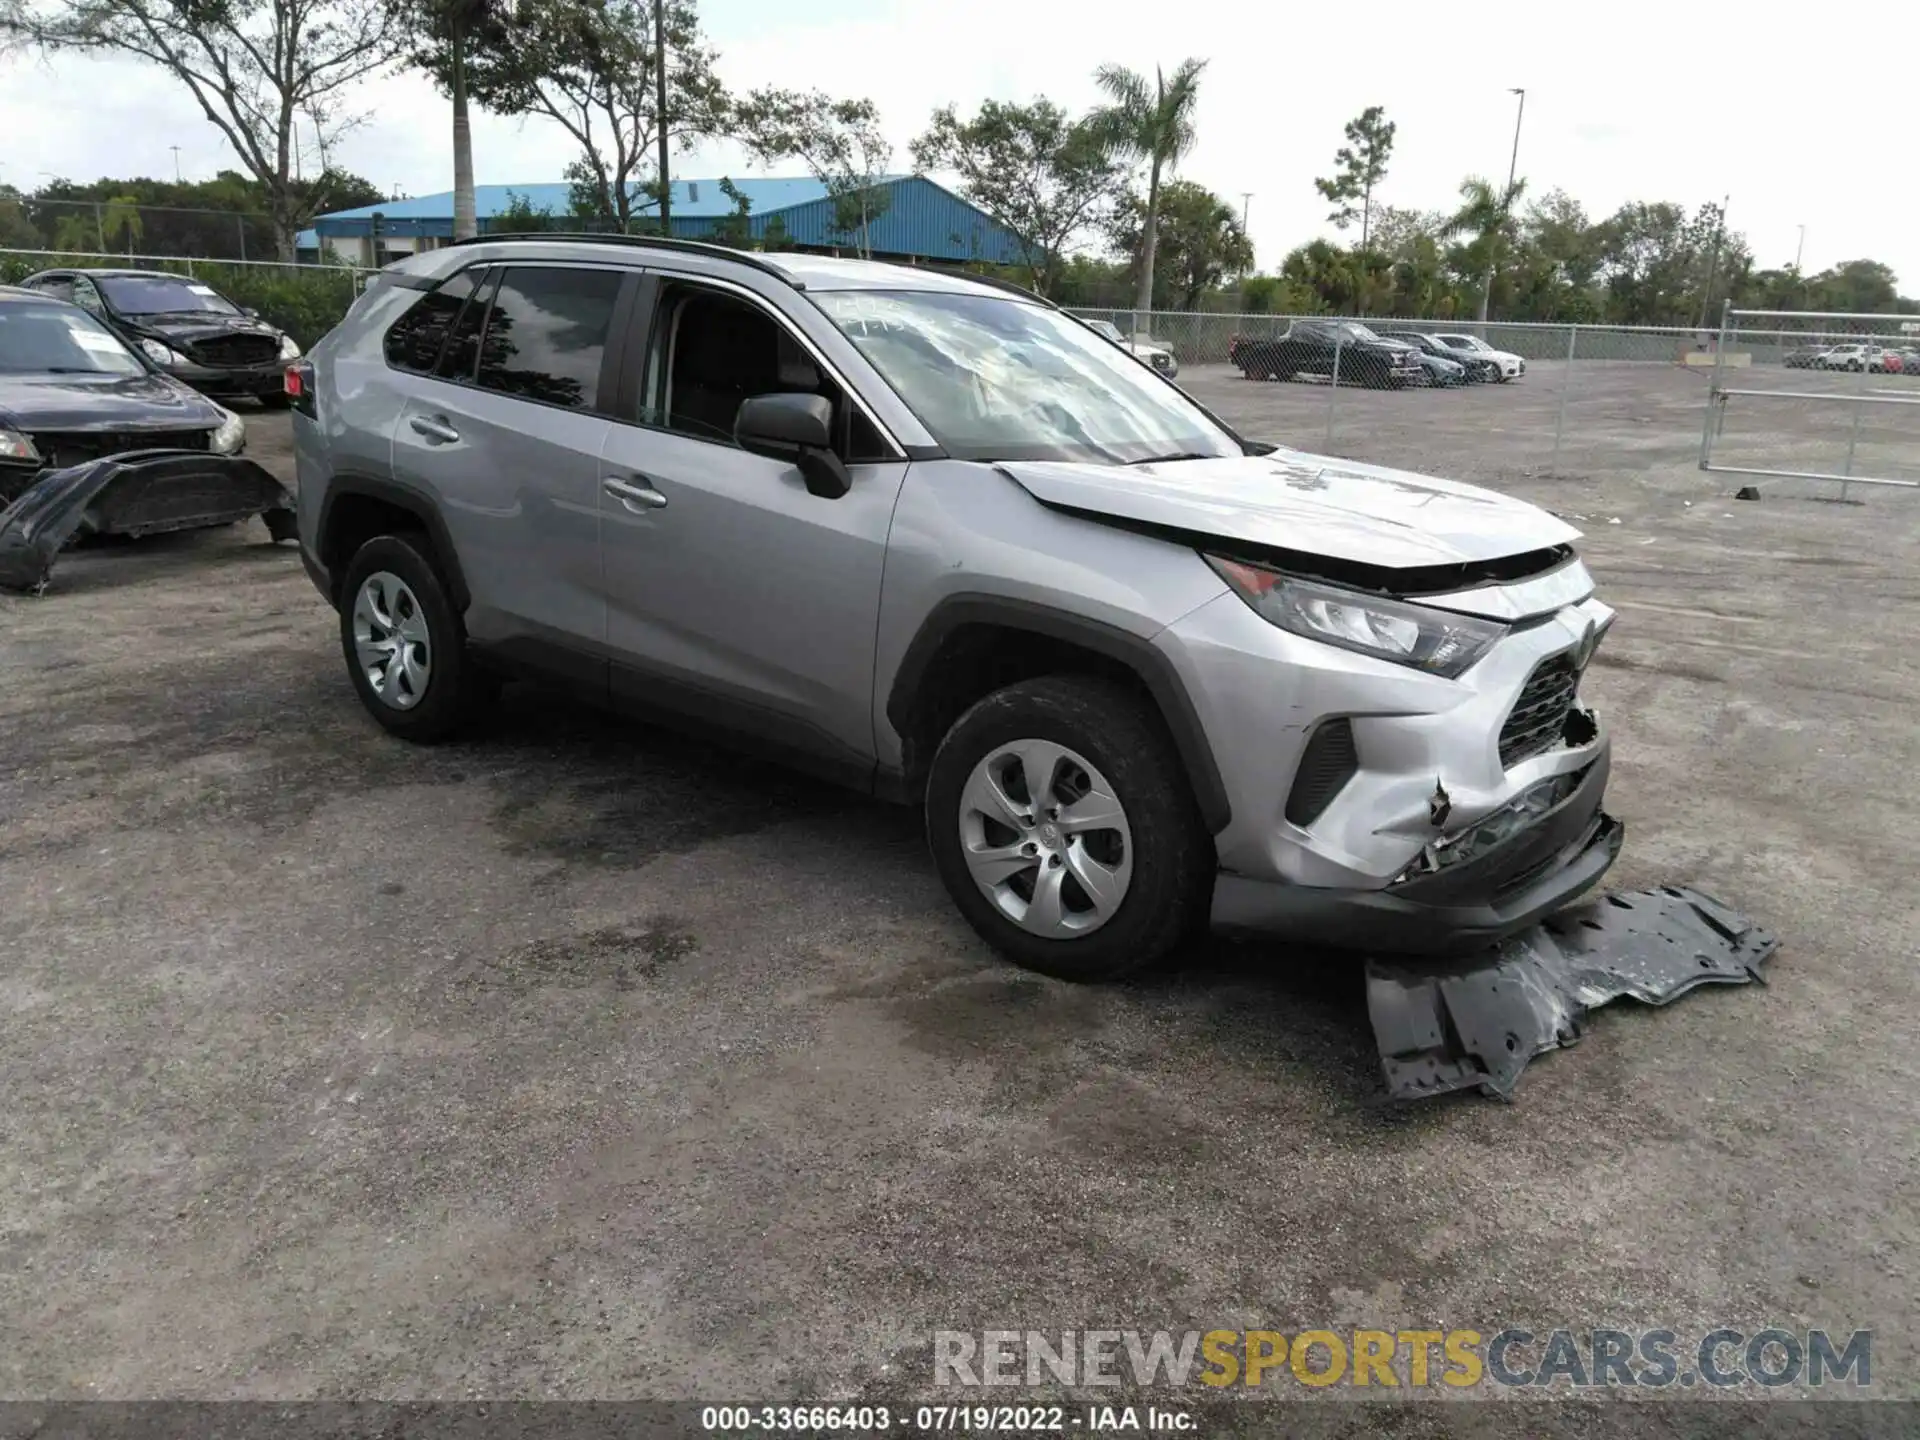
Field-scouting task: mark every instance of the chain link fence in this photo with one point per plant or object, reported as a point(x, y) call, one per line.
point(1820, 397)
point(306, 301)
point(1588, 401)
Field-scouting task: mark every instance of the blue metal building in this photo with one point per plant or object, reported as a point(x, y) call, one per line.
point(922, 220)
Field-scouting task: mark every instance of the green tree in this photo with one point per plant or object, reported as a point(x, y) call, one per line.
point(520, 217)
point(1200, 243)
point(735, 228)
point(1361, 164)
point(588, 65)
point(446, 34)
point(1045, 177)
point(839, 141)
point(1154, 123)
point(256, 69)
point(17, 230)
point(1485, 217)
point(1856, 287)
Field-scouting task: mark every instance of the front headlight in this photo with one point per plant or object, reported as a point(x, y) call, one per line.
point(288, 349)
point(17, 448)
point(160, 354)
point(231, 435)
point(1435, 641)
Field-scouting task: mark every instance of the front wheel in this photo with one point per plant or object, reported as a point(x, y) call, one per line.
point(1063, 826)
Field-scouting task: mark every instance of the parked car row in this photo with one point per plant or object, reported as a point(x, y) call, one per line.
point(1348, 352)
point(1857, 358)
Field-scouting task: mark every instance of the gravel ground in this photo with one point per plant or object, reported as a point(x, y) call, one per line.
point(575, 1059)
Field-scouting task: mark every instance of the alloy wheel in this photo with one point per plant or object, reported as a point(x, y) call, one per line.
point(391, 640)
point(1046, 838)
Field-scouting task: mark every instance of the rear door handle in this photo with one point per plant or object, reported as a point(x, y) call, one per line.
point(436, 430)
point(636, 495)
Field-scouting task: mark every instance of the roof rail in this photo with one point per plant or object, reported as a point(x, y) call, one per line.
point(644, 242)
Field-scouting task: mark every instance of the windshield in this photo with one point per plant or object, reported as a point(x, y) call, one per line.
point(1354, 330)
point(60, 340)
point(162, 295)
point(1001, 379)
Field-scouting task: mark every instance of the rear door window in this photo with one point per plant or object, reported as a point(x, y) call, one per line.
point(415, 340)
point(462, 350)
point(546, 334)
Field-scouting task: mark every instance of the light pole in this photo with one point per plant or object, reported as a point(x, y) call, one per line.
point(1513, 165)
point(1799, 250)
point(1246, 199)
point(1506, 205)
point(176, 163)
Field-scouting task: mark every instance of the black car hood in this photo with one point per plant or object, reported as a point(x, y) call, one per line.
point(102, 402)
point(188, 327)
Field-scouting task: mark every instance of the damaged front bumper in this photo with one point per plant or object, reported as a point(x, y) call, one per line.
point(147, 492)
point(1476, 1022)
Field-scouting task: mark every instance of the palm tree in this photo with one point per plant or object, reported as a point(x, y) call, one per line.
point(1486, 213)
point(451, 28)
point(1151, 122)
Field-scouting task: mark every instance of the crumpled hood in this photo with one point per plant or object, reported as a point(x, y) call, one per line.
point(103, 402)
point(187, 329)
point(1310, 503)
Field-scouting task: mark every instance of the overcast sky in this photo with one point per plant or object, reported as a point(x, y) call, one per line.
point(1622, 103)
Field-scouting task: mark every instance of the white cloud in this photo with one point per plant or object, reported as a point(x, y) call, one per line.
point(1633, 101)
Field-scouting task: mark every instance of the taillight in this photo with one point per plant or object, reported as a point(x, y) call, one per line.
point(299, 386)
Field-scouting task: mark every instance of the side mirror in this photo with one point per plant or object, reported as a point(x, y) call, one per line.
point(250, 312)
point(797, 428)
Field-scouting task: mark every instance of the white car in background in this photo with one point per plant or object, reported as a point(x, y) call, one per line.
point(1512, 367)
point(1143, 347)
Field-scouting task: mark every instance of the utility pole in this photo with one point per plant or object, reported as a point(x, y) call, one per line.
point(660, 112)
point(1713, 260)
point(176, 163)
point(1246, 199)
point(1799, 250)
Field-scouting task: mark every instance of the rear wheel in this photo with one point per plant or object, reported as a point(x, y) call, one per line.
point(1062, 824)
point(405, 647)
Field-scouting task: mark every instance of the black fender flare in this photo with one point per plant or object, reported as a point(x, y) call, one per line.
point(416, 504)
point(1138, 655)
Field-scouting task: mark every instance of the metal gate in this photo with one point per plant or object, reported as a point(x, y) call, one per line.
point(1818, 376)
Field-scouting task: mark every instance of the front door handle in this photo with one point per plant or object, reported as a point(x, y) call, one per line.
point(636, 495)
point(436, 430)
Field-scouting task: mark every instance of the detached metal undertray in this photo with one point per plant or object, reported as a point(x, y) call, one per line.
point(1452, 1025)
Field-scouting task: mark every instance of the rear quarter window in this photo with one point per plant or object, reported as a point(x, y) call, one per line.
point(414, 341)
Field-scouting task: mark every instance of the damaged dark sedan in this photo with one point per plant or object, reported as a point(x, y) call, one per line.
point(184, 326)
point(94, 439)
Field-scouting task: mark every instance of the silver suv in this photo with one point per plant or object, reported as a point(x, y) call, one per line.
point(938, 539)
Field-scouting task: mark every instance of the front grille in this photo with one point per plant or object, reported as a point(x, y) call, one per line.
point(1540, 714)
point(1326, 765)
point(233, 351)
point(60, 449)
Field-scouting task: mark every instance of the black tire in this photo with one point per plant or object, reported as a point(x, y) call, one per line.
point(1173, 857)
point(454, 686)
